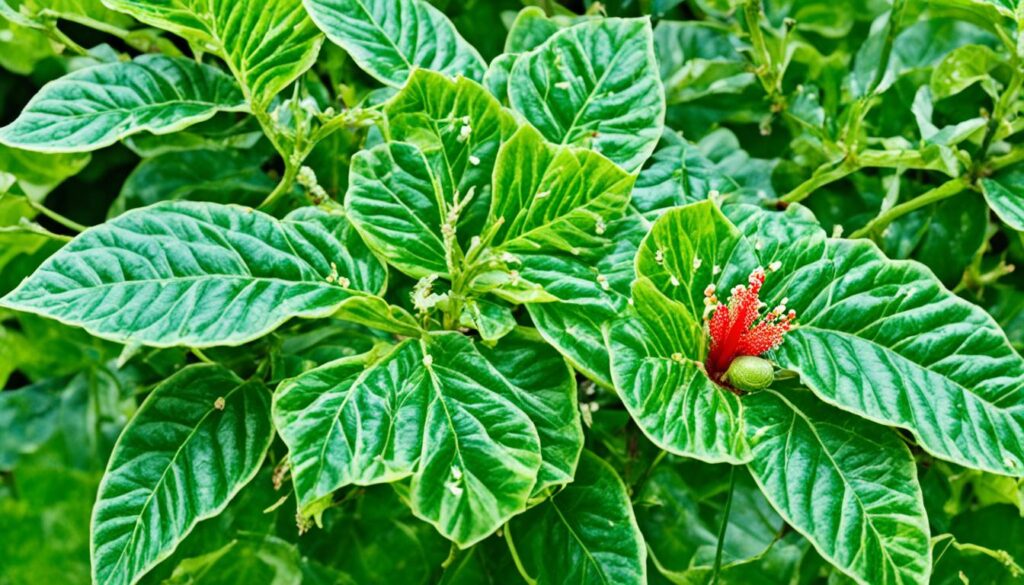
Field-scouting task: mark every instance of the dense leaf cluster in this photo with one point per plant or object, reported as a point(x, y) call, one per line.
point(398, 291)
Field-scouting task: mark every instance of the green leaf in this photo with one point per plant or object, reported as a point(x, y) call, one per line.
point(529, 30)
point(698, 59)
point(37, 173)
point(200, 274)
point(589, 294)
point(671, 398)
point(434, 410)
point(1004, 192)
point(196, 441)
point(490, 319)
point(544, 386)
point(849, 486)
point(229, 176)
point(596, 85)
point(963, 67)
point(458, 126)
point(266, 43)
point(657, 360)
point(390, 38)
point(82, 111)
point(885, 340)
point(553, 198)
point(584, 534)
point(394, 200)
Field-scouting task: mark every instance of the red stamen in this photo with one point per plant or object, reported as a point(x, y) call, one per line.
point(734, 329)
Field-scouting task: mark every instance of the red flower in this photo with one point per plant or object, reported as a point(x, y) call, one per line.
point(737, 328)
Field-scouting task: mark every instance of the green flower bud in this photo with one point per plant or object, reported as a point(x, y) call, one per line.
point(750, 373)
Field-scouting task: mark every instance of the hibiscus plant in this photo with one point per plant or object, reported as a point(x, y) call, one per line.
point(398, 291)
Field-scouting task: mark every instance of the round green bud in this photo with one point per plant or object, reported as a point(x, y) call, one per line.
point(750, 373)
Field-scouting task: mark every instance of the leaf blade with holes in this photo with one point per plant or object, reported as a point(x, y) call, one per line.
point(220, 433)
point(200, 274)
point(81, 111)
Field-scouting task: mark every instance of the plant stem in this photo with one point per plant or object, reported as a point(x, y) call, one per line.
point(284, 185)
point(943, 191)
point(647, 472)
point(818, 179)
point(68, 223)
point(725, 524)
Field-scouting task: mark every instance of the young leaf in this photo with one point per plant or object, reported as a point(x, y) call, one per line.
point(657, 360)
point(595, 84)
point(390, 38)
point(1004, 192)
point(200, 274)
point(196, 441)
point(97, 106)
point(584, 534)
point(552, 198)
point(850, 487)
point(433, 409)
point(394, 200)
point(670, 396)
point(457, 125)
point(267, 43)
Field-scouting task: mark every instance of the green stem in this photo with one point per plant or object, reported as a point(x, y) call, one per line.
point(68, 223)
point(943, 191)
point(1006, 100)
point(648, 472)
point(725, 524)
point(1011, 158)
point(283, 186)
point(818, 179)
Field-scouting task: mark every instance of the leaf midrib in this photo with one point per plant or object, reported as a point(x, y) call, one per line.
point(163, 475)
point(846, 482)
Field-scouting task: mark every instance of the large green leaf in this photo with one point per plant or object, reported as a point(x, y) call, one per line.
point(595, 84)
point(885, 340)
point(584, 534)
point(200, 274)
point(394, 200)
point(657, 359)
point(589, 293)
point(196, 441)
point(849, 486)
point(435, 410)
point(97, 106)
point(266, 43)
point(553, 198)
point(390, 38)
point(228, 176)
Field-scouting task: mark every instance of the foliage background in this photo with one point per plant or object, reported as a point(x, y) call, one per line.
point(835, 107)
